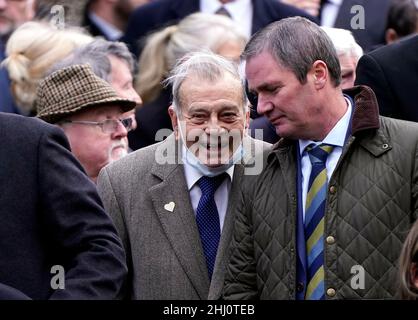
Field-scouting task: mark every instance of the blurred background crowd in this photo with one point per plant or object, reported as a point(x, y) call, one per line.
point(36, 34)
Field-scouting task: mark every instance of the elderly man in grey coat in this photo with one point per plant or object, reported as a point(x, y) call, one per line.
point(172, 201)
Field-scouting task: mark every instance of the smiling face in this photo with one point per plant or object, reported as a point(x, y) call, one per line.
point(212, 118)
point(290, 106)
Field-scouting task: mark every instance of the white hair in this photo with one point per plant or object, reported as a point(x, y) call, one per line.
point(206, 66)
point(344, 42)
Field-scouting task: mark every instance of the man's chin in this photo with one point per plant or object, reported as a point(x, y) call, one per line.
point(118, 153)
point(213, 159)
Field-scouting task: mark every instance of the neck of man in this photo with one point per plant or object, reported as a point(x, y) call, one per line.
point(334, 108)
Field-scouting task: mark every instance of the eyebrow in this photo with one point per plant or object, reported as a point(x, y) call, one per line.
point(223, 108)
point(264, 86)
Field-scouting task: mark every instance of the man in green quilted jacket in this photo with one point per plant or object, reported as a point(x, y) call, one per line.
point(327, 217)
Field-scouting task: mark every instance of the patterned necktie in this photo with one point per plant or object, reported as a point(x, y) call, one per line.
point(314, 221)
point(207, 219)
point(222, 11)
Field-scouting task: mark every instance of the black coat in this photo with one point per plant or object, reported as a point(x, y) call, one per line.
point(392, 73)
point(51, 214)
point(375, 18)
point(157, 14)
point(151, 118)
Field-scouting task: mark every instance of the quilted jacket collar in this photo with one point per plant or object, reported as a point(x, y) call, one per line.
point(365, 117)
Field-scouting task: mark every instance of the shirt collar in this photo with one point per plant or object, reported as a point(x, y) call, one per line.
point(337, 135)
point(109, 30)
point(192, 175)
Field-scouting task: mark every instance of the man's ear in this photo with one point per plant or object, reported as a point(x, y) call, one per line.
point(391, 36)
point(319, 72)
point(174, 123)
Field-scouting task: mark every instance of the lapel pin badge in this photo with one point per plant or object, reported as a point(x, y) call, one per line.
point(170, 206)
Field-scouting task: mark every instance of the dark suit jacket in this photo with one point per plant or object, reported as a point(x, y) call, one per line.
point(375, 11)
point(151, 117)
point(51, 214)
point(392, 73)
point(92, 27)
point(160, 13)
point(6, 99)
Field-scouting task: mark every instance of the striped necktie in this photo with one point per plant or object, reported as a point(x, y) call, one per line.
point(314, 221)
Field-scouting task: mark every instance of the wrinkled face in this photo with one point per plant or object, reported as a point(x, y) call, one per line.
point(212, 118)
point(122, 82)
point(348, 65)
point(289, 105)
point(13, 13)
point(91, 146)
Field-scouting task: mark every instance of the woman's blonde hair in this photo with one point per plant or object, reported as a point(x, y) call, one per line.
point(197, 32)
point(31, 50)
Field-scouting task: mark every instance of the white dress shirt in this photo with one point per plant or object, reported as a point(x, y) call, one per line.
point(221, 194)
point(241, 12)
point(335, 137)
point(329, 12)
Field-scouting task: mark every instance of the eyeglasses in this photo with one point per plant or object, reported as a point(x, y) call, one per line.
point(108, 125)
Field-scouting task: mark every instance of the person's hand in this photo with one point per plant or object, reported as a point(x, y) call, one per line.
point(310, 6)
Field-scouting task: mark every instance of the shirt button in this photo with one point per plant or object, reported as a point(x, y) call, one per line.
point(330, 240)
point(331, 292)
point(332, 189)
point(299, 287)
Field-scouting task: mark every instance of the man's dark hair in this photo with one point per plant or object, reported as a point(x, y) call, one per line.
point(296, 43)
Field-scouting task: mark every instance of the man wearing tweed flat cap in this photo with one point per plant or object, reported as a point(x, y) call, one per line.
point(90, 113)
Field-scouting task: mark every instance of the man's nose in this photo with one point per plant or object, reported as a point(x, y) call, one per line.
point(264, 105)
point(212, 124)
point(120, 131)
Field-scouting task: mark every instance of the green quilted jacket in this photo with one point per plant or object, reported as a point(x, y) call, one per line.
point(371, 204)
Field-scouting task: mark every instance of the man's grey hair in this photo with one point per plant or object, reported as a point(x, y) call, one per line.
point(204, 66)
point(96, 54)
point(344, 42)
point(296, 43)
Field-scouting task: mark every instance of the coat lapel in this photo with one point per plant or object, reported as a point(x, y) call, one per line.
point(218, 277)
point(172, 205)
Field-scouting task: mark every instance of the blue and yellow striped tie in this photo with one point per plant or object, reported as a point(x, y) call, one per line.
point(314, 221)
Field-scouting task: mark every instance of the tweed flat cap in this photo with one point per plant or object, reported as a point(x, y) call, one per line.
point(73, 89)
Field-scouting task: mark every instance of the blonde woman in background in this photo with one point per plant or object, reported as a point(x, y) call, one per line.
point(31, 50)
point(163, 49)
